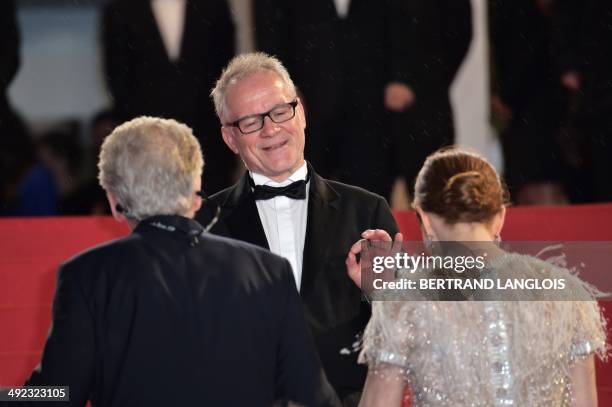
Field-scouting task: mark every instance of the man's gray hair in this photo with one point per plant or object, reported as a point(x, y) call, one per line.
point(244, 65)
point(150, 166)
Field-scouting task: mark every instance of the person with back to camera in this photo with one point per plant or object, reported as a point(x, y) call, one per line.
point(171, 315)
point(478, 353)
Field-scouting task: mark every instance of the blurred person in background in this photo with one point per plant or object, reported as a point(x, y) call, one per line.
point(26, 188)
point(528, 101)
point(437, 38)
point(62, 153)
point(161, 58)
point(88, 197)
point(354, 62)
point(10, 124)
point(341, 55)
point(583, 40)
point(50, 176)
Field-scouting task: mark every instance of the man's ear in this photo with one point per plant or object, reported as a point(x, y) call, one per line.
point(196, 204)
point(301, 112)
point(113, 207)
point(228, 137)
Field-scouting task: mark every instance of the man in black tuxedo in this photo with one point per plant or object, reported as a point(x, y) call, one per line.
point(283, 205)
point(170, 315)
point(161, 58)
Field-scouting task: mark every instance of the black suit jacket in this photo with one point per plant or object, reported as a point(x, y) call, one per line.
point(144, 81)
point(16, 148)
point(141, 77)
point(582, 39)
point(520, 36)
point(9, 54)
point(337, 215)
point(172, 317)
point(436, 37)
point(342, 67)
point(338, 64)
point(338, 61)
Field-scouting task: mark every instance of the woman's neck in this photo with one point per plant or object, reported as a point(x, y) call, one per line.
point(465, 232)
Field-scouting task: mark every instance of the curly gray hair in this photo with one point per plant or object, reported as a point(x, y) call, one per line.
point(150, 165)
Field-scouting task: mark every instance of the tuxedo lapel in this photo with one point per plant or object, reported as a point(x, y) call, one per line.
point(242, 217)
point(320, 229)
point(191, 30)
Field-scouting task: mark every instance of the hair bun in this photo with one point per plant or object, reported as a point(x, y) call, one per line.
point(472, 196)
point(459, 186)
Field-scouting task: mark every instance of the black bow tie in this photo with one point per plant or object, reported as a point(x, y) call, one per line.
point(295, 190)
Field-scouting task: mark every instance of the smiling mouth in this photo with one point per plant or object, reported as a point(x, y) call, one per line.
point(276, 146)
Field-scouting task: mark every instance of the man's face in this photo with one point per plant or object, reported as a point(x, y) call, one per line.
point(277, 150)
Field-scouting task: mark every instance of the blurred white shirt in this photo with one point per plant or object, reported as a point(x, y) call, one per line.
point(342, 7)
point(170, 17)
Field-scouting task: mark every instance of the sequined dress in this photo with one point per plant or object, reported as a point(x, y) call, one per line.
point(486, 353)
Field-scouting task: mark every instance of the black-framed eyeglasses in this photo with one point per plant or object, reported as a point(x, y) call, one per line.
point(255, 122)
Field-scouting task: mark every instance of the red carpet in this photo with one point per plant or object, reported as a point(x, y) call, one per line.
point(31, 249)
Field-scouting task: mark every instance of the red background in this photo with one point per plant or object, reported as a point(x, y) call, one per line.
point(32, 248)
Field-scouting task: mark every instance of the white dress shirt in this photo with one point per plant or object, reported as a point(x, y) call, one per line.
point(342, 7)
point(170, 17)
point(284, 221)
